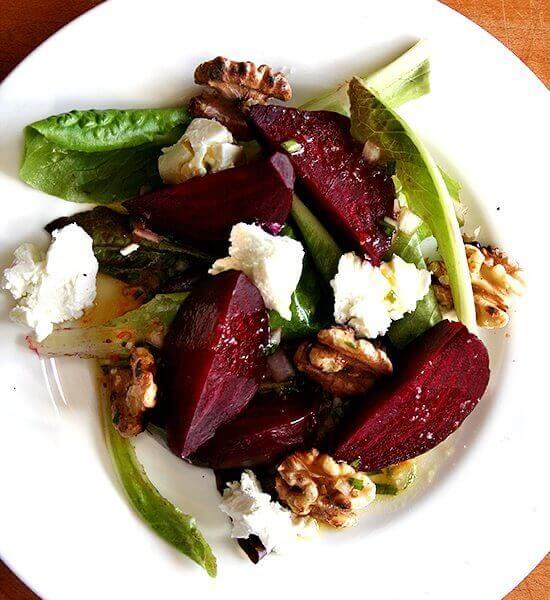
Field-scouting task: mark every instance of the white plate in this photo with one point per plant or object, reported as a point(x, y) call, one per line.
point(479, 521)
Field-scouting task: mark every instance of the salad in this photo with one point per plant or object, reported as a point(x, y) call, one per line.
point(285, 295)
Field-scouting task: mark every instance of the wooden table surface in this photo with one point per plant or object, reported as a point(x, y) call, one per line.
point(521, 25)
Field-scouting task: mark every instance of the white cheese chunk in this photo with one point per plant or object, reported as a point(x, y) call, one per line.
point(273, 264)
point(254, 513)
point(369, 298)
point(56, 286)
point(206, 146)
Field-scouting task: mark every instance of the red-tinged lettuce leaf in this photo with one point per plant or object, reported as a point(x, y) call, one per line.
point(113, 340)
point(150, 266)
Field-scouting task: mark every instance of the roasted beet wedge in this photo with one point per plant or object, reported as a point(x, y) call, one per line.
point(212, 359)
point(204, 209)
point(271, 426)
point(437, 385)
point(351, 195)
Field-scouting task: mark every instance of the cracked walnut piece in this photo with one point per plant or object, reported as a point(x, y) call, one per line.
point(232, 87)
point(132, 392)
point(340, 363)
point(314, 484)
point(210, 105)
point(496, 280)
point(243, 80)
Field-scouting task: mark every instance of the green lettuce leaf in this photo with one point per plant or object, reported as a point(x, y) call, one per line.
point(326, 254)
point(99, 156)
point(404, 79)
point(151, 265)
point(167, 521)
point(112, 340)
point(422, 183)
point(453, 186)
point(426, 313)
point(308, 307)
point(106, 130)
point(323, 250)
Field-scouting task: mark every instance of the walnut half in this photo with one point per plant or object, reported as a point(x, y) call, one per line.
point(314, 484)
point(232, 87)
point(132, 392)
point(342, 364)
point(210, 105)
point(496, 281)
point(244, 81)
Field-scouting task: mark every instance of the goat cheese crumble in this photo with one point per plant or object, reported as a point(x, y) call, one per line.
point(205, 146)
point(55, 286)
point(254, 513)
point(369, 298)
point(273, 264)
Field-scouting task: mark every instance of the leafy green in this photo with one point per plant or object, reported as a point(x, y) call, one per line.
point(105, 226)
point(322, 248)
point(404, 79)
point(325, 253)
point(113, 340)
point(422, 183)
point(99, 156)
point(167, 521)
point(307, 306)
point(307, 315)
point(453, 186)
point(152, 264)
point(106, 130)
point(426, 313)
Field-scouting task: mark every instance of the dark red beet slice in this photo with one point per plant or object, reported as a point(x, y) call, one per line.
point(352, 195)
point(442, 376)
point(212, 359)
point(204, 209)
point(271, 426)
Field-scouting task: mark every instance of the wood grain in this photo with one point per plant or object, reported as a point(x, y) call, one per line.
point(521, 25)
